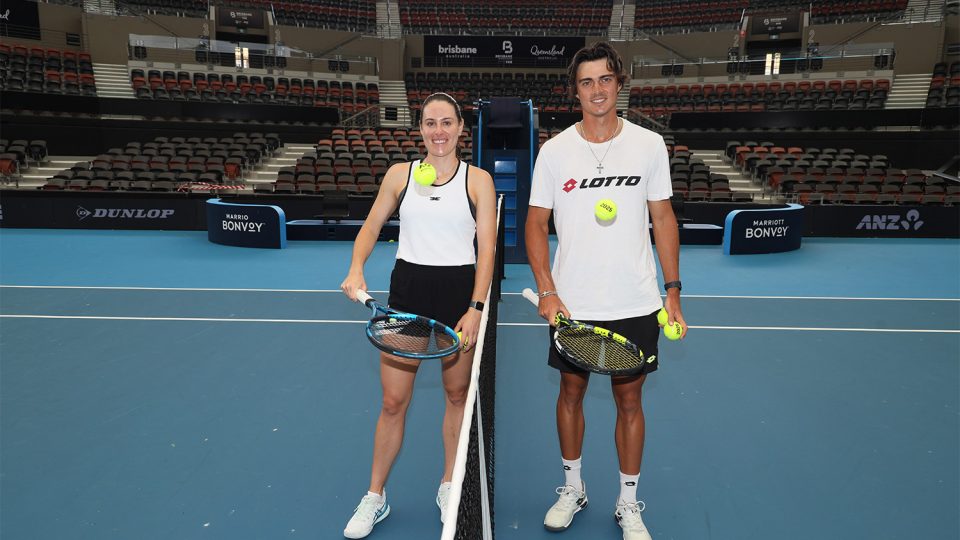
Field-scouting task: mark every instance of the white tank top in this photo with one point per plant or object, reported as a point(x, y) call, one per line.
point(437, 223)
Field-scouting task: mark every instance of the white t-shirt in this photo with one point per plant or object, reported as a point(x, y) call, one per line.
point(603, 270)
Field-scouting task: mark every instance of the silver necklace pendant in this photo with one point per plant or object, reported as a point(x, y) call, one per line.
point(609, 144)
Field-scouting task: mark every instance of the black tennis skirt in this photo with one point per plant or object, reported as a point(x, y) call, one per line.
point(441, 293)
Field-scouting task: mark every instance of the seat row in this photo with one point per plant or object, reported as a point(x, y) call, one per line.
point(46, 70)
point(676, 15)
point(835, 173)
point(944, 88)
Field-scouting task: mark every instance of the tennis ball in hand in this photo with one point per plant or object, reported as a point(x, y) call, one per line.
point(605, 209)
point(674, 331)
point(662, 317)
point(463, 342)
point(424, 174)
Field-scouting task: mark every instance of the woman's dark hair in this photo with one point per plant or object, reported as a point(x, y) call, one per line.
point(440, 96)
point(598, 50)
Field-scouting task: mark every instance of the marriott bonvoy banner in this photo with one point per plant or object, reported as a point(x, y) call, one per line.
point(494, 51)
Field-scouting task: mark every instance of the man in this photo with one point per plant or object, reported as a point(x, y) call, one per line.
point(604, 272)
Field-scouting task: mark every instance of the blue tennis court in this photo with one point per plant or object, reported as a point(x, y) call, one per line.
point(154, 385)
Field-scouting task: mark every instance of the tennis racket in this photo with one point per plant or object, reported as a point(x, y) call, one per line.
point(593, 348)
point(407, 335)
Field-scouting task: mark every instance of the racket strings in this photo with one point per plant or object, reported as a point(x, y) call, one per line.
point(413, 336)
point(594, 349)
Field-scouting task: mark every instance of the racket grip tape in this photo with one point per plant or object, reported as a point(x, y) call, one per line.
point(363, 297)
point(531, 296)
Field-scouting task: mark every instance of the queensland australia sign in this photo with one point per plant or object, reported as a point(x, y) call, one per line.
point(494, 51)
point(770, 230)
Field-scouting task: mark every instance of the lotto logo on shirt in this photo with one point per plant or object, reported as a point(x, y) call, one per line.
point(601, 181)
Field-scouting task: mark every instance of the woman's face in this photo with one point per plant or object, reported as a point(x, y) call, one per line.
point(440, 128)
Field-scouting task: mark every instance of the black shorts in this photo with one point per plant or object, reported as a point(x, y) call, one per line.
point(441, 293)
point(643, 331)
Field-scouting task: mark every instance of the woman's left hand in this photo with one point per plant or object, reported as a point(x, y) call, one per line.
point(469, 328)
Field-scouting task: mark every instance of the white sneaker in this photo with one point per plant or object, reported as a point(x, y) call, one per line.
point(560, 515)
point(369, 512)
point(628, 517)
point(442, 495)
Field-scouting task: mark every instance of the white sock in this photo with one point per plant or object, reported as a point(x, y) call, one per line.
point(380, 497)
point(628, 488)
point(571, 473)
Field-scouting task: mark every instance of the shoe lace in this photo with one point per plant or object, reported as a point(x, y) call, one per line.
point(367, 508)
point(568, 496)
point(630, 516)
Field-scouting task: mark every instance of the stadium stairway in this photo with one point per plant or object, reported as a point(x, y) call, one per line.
point(738, 182)
point(38, 175)
point(394, 94)
point(621, 21)
point(103, 7)
point(113, 81)
point(267, 172)
point(919, 11)
point(909, 91)
point(623, 99)
point(388, 20)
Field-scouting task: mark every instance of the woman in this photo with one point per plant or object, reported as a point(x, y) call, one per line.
point(438, 274)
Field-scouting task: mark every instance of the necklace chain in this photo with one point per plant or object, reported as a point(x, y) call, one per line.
point(609, 144)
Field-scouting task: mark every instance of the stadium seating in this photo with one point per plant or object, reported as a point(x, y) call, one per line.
point(760, 96)
point(831, 175)
point(667, 16)
point(567, 17)
point(170, 164)
point(51, 71)
point(349, 15)
point(547, 90)
point(229, 88)
point(944, 86)
point(354, 161)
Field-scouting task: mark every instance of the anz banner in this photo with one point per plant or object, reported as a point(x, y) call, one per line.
point(886, 221)
point(498, 51)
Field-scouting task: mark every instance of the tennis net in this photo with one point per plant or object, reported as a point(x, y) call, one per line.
point(470, 505)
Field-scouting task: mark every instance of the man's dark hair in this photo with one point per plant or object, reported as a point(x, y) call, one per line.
point(598, 50)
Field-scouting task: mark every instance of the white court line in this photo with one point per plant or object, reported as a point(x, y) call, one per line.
point(199, 289)
point(792, 328)
point(187, 319)
point(338, 291)
point(338, 321)
point(803, 297)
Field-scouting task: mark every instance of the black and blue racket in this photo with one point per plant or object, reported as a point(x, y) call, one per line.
point(407, 335)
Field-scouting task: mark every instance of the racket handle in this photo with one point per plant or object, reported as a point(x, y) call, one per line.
point(364, 298)
point(531, 296)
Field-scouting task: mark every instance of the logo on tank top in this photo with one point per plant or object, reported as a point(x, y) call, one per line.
point(601, 181)
point(434, 198)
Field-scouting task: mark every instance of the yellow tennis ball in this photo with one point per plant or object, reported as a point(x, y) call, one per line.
point(605, 209)
point(662, 317)
point(463, 342)
point(674, 331)
point(424, 174)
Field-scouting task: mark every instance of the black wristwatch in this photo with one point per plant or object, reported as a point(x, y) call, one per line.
point(672, 285)
point(477, 305)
